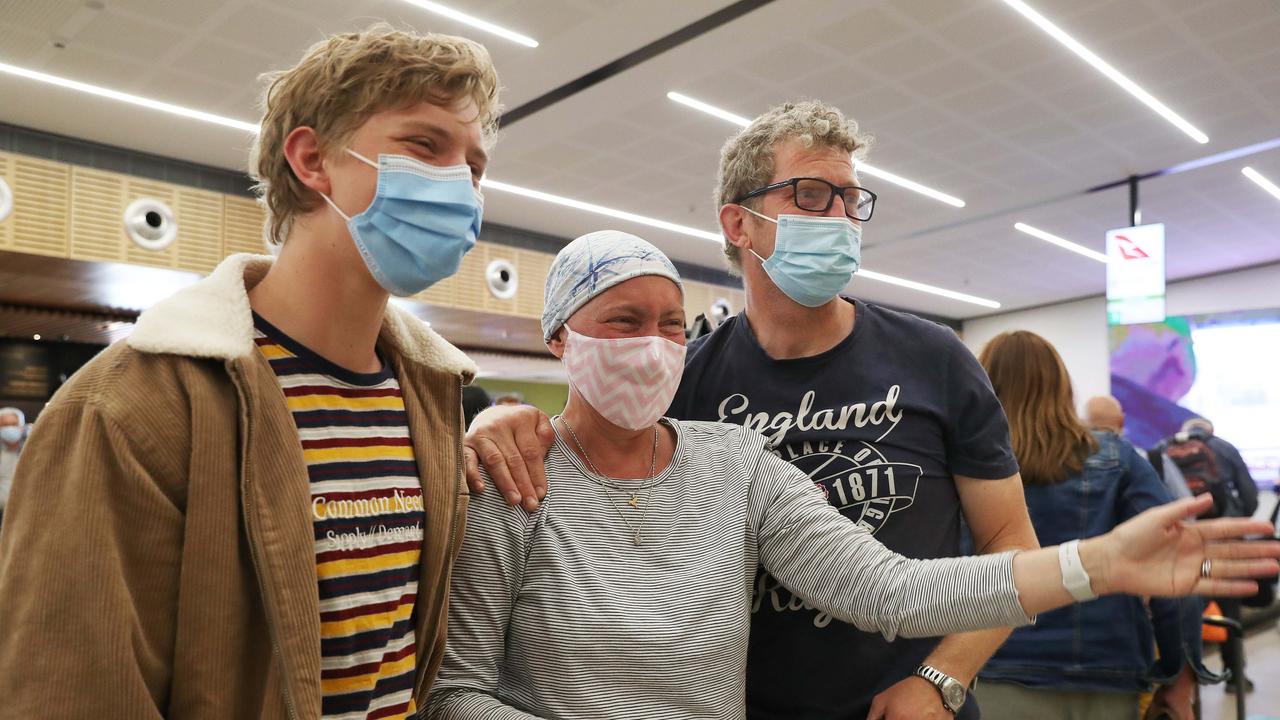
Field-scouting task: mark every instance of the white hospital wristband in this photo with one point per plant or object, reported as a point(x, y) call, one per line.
point(1074, 578)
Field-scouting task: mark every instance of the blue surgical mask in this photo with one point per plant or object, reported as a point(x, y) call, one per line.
point(11, 434)
point(421, 222)
point(814, 257)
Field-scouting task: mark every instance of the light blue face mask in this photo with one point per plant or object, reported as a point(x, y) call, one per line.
point(11, 434)
point(421, 222)
point(814, 257)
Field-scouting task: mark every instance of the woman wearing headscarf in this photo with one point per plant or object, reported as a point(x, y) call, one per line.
point(628, 593)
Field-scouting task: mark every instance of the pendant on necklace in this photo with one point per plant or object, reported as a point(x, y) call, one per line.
point(636, 540)
point(634, 502)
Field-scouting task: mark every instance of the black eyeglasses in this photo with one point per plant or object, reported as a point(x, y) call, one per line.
point(816, 195)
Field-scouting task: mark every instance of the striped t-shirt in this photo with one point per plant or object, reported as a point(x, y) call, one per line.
point(561, 615)
point(366, 509)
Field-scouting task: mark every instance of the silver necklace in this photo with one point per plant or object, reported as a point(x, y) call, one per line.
point(637, 530)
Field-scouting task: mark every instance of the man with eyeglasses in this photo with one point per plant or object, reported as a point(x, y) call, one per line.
point(890, 415)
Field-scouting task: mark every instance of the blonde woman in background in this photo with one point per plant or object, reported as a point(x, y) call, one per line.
point(1091, 660)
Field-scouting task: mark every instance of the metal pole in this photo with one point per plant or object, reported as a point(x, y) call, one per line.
point(1135, 216)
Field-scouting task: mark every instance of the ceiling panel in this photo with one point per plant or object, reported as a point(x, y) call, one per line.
point(964, 95)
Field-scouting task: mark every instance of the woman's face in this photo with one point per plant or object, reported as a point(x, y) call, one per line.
point(649, 305)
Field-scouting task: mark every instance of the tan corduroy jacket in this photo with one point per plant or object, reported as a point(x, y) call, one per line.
point(157, 555)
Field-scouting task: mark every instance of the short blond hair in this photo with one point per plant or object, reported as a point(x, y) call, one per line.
point(340, 82)
point(747, 159)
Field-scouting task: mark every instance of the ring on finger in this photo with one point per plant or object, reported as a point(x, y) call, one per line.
point(1206, 567)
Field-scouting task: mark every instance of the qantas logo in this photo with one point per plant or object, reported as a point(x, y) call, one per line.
point(1129, 249)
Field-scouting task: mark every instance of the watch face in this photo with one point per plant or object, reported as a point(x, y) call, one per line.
point(954, 694)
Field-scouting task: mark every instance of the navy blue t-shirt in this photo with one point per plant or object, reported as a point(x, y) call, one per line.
point(881, 422)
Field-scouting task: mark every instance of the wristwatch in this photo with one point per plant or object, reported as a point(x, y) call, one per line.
point(953, 691)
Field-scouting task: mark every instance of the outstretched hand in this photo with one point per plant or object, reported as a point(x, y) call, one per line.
point(512, 444)
point(1161, 552)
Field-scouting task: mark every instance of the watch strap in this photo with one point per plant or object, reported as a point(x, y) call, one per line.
point(941, 680)
point(932, 674)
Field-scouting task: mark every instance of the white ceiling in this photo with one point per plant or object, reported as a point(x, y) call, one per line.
point(963, 95)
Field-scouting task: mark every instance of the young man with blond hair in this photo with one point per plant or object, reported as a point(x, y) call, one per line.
point(251, 507)
point(889, 414)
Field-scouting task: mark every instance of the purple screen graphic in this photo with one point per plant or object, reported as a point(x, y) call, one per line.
point(1219, 366)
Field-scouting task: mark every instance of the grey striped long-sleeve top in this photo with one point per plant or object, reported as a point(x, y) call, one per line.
point(559, 614)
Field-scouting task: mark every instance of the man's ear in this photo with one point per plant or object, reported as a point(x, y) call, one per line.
point(733, 221)
point(302, 151)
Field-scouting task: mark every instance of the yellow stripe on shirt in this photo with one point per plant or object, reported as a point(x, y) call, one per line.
point(274, 352)
point(353, 454)
point(340, 686)
point(363, 623)
point(338, 402)
point(357, 566)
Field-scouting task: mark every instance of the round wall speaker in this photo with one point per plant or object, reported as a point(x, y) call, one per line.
point(501, 279)
point(720, 311)
point(6, 200)
point(150, 224)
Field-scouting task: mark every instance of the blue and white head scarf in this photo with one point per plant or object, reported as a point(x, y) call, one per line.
point(592, 264)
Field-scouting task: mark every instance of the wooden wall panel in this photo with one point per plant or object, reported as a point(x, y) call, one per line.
point(533, 267)
point(6, 225)
point(697, 299)
point(40, 206)
point(242, 220)
point(200, 229)
point(469, 290)
point(97, 204)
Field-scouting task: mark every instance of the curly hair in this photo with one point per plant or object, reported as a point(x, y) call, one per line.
point(747, 159)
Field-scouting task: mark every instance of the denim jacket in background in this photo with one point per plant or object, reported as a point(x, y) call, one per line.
point(1108, 643)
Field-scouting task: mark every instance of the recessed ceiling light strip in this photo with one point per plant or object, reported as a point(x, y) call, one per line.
point(127, 98)
point(1060, 242)
point(474, 22)
point(864, 167)
point(931, 289)
point(1106, 69)
point(873, 171)
point(1261, 181)
point(708, 109)
point(601, 210)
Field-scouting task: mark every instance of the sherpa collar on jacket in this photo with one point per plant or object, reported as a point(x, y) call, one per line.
point(212, 319)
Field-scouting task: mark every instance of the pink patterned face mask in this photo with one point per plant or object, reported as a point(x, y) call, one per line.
point(629, 381)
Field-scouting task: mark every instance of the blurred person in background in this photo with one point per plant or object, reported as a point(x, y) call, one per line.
point(1230, 465)
point(1095, 659)
point(1221, 466)
point(474, 401)
point(1103, 412)
point(13, 428)
point(510, 399)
